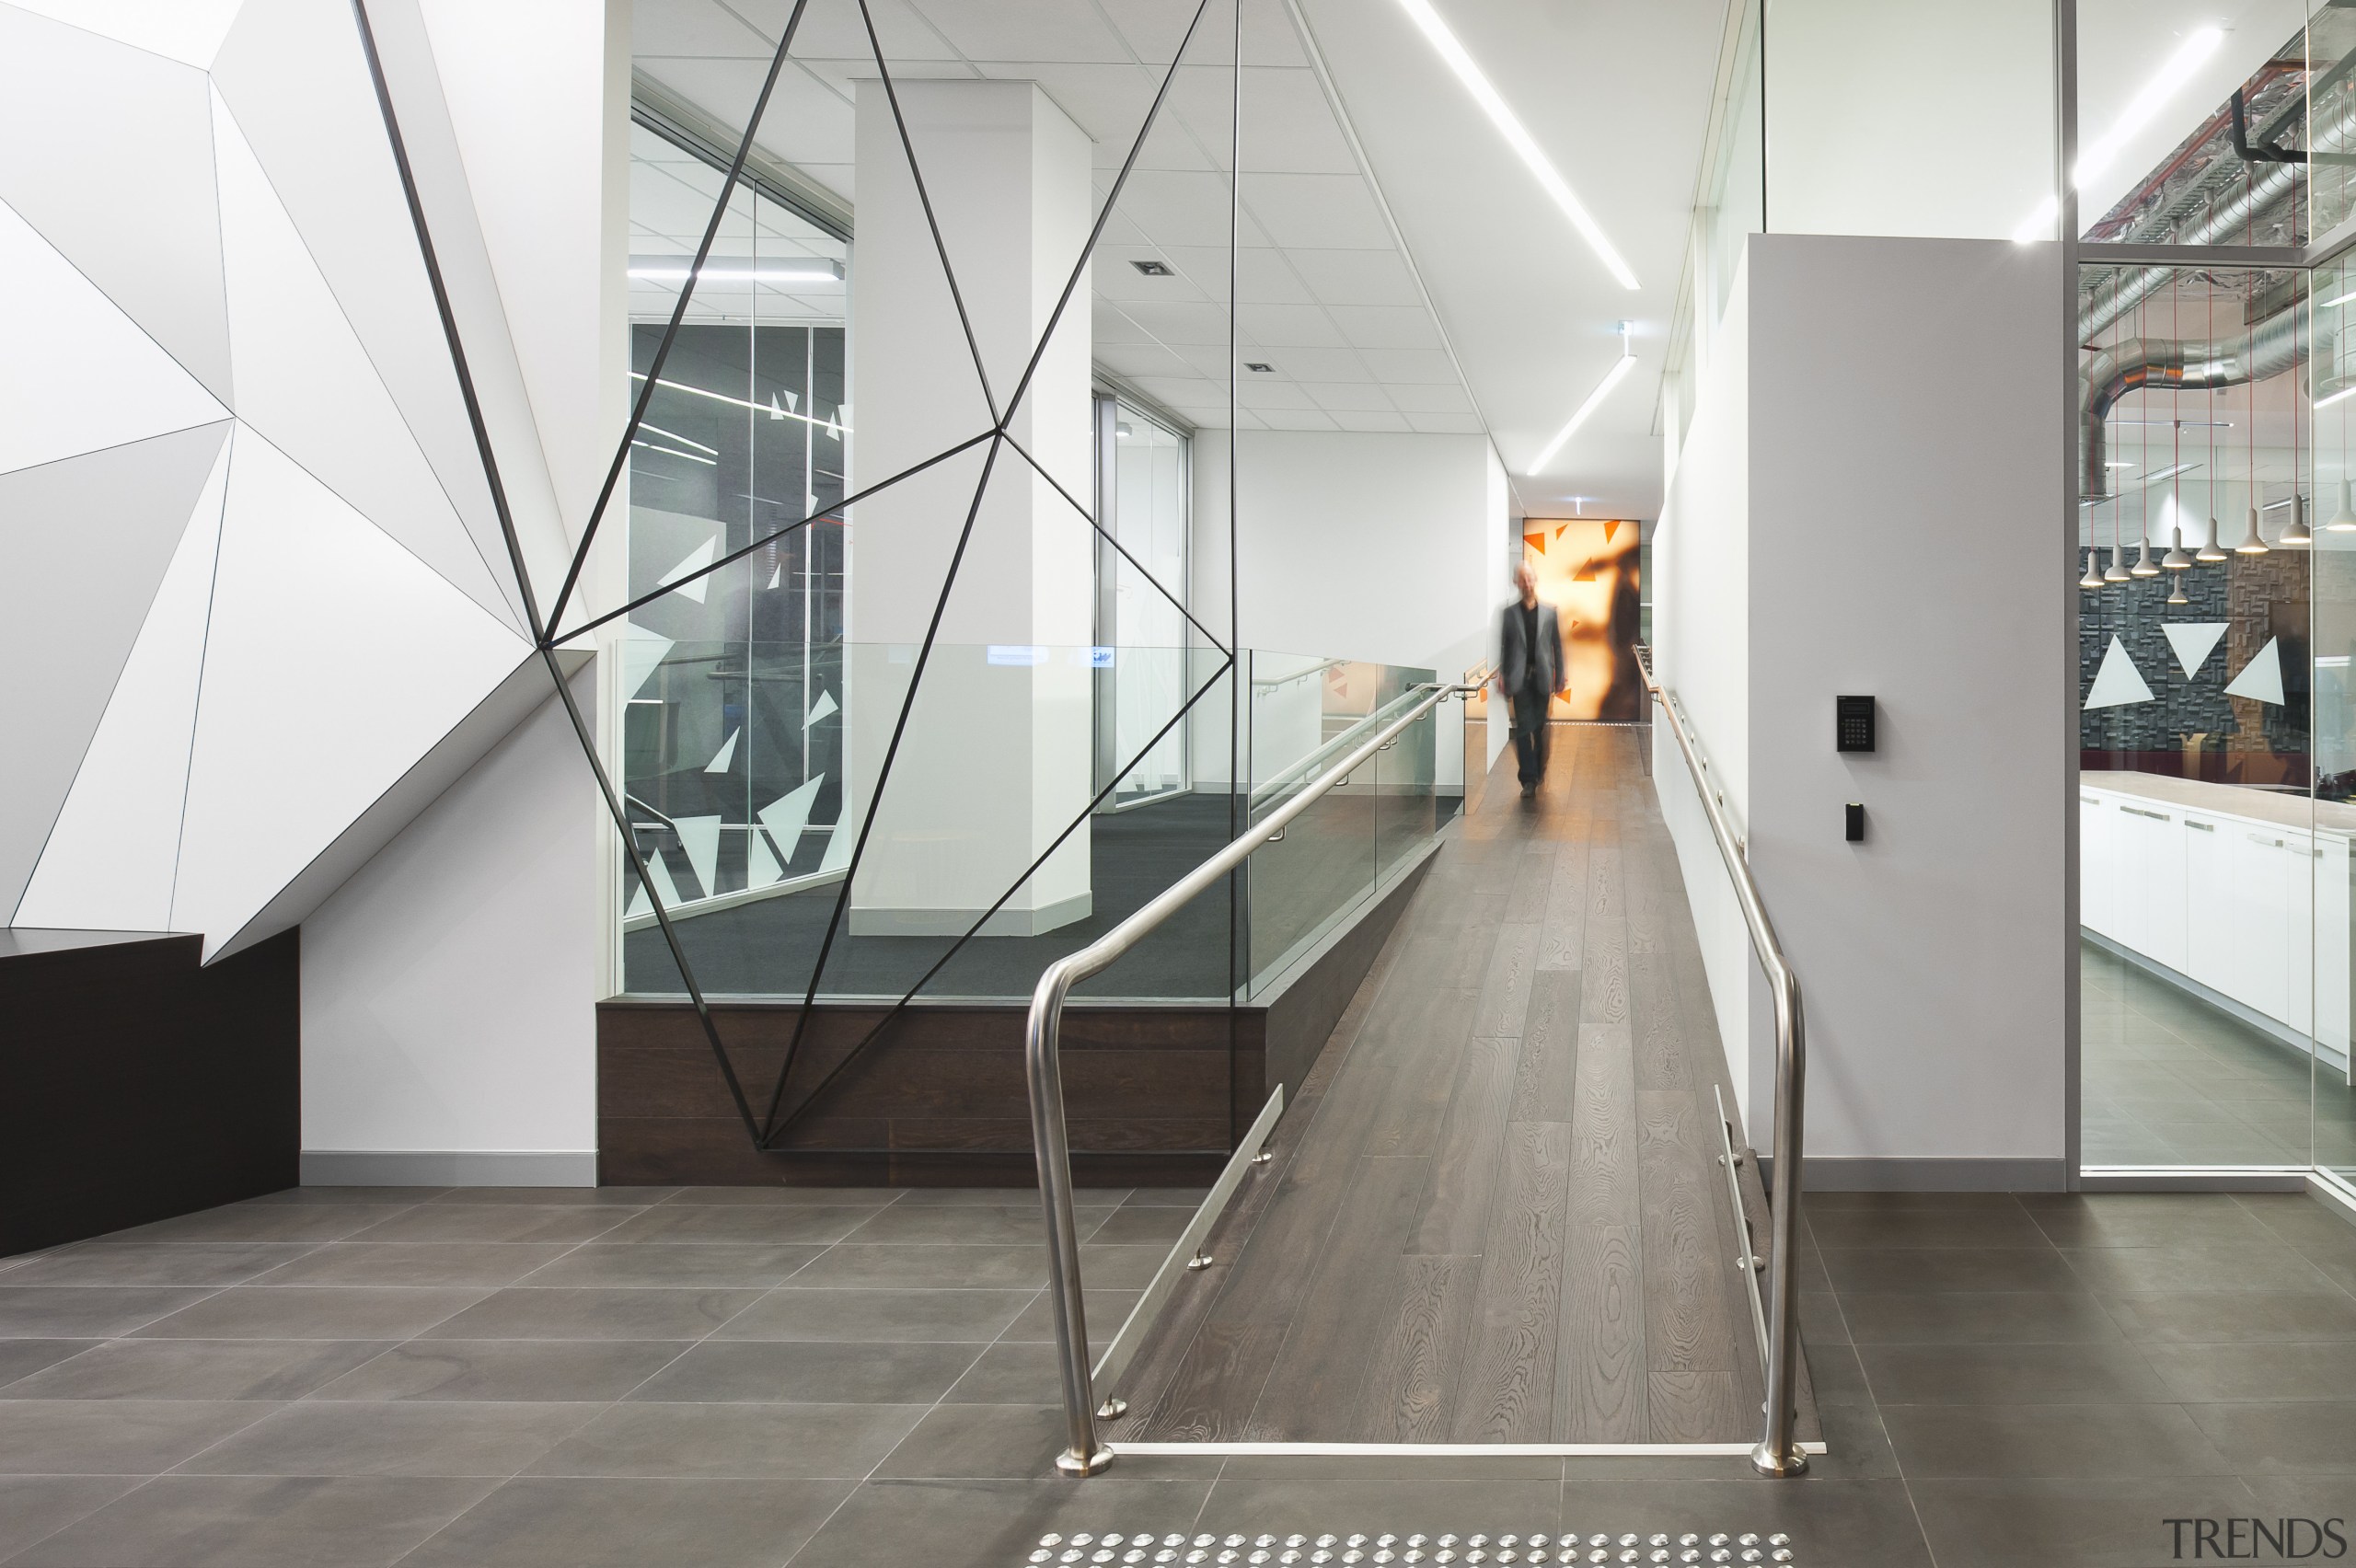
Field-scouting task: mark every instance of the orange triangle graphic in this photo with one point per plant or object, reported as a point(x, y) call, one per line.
point(1535, 541)
point(1610, 529)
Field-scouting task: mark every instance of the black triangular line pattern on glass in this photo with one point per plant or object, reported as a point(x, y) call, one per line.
point(1106, 535)
point(1112, 200)
point(924, 199)
point(876, 791)
point(769, 539)
point(1005, 418)
point(515, 551)
point(678, 315)
point(1225, 667)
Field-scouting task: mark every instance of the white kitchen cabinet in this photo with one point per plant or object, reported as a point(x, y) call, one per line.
point(2237, 900)
point(2208, 917)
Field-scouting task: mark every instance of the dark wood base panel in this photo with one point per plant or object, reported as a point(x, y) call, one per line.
point(136, 1085)
point(1154, 1096)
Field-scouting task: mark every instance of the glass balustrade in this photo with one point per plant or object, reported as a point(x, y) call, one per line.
point(994, 840)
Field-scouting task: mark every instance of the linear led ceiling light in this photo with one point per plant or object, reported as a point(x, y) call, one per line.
point(1612, 378)
point(2099, 155)
point(1517, 135)
point(738, 270)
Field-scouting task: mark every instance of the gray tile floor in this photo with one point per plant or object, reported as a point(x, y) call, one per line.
point(757, 1376)
point(2170, 1081)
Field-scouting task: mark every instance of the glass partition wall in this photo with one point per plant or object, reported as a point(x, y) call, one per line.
point(2217, 612)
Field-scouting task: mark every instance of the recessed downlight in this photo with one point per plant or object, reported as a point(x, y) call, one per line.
point(1154, 269)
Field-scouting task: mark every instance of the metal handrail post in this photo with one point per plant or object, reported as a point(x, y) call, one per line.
point(1042, 1051)
point(1778, 1453)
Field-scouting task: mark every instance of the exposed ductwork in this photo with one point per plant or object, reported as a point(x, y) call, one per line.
point(2159, 365)
point(2268, 184)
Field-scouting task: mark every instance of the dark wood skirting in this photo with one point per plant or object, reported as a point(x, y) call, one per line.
point(136, 1083)
point(1155, 1095)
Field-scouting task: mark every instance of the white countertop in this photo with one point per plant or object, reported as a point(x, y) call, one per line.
point(2270, 806)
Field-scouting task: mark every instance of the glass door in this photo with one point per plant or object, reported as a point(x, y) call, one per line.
point(1141, 586)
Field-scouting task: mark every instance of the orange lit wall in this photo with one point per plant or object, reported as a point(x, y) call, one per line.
point(1587, 569)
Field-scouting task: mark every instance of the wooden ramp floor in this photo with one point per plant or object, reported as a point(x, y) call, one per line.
point(1496, 1214)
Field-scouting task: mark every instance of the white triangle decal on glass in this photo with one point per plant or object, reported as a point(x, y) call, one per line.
point(2262, 677)
point(725, 755)
point(838, 847)
point(696, 560)
point(699, 836)
point(788, 813)
point(2118, 682)
point(664, 888)
point(820, 708)
point(2193, 642)
point(760, 867)
point(639, 903)
point(642, 656)
point(776, 572)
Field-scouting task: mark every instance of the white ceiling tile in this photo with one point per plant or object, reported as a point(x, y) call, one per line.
point(1386, 325)
point(1265, 392)
point(1107, 101)
point(1189, 394)
point(1177, 322)
point(1289, 128)
point(807, 122)
point(1427, 365)
point(1334, 212)
point(1446, 424)
point(1108, 324)
point(1260, 276)
point(693, 27)
point(832, 28)
point(1355, 396)
point(1176, 208)
point(1154, 28)
point(1026, 30)
point(1429, 399)
point(1209, 358)
point(1371, 421)
point(1116, 276)
point(1282, 326)
point(1357, 277)
point(1296, 419)
point(1135, 360)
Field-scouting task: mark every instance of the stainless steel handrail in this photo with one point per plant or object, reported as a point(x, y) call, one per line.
point(1042, 1045)
point(1778, 1452)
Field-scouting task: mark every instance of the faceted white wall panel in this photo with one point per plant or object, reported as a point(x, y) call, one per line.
point(335, 661)
point(309, 388)
point(77, 111)
point(186, 30)
point(111, 859)
point(251, 574)
point(77, 374)
point(84, 543)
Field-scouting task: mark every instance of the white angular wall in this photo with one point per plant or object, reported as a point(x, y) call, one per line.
point(258, 605)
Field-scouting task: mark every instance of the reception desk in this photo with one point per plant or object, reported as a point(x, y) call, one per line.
point(2238, 895)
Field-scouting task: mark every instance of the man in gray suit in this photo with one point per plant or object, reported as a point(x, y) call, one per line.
point(1529, 672)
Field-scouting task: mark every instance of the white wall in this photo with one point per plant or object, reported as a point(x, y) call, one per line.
point(1902, 546)
point(1702, 654)
point(1892, 536)
point(1865, 135)
point(449, 988)
point(1383, 548)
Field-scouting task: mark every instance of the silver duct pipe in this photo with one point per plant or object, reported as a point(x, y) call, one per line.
point(2160, 365)
point(2220, 227)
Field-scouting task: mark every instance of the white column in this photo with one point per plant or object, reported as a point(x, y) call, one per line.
point(996, 758)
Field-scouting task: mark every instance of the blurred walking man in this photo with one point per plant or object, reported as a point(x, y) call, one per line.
point(1530, 672)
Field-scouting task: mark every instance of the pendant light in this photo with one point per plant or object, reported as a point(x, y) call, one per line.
point(2251, 543)
point(2175, 590)
point(2116, 571)
point(2092, 579)
point(2175, 559)
point(2143, 566)
point(2295, 536)
point(2344, 521)
point(2208, 552)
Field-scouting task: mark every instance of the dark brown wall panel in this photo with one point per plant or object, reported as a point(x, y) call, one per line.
point(136, 1085)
